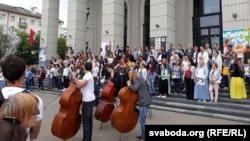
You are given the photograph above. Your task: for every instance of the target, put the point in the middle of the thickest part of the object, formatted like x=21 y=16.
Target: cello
x=68 y=120
x=106 y=105
x=125 y=117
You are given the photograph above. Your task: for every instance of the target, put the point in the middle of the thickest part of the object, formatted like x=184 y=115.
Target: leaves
x=61 y=47
x=26 y=51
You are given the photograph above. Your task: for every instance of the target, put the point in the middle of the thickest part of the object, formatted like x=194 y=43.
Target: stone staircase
x=225 y=108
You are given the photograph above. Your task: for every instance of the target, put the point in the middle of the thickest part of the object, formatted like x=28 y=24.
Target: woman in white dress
x=201 y=91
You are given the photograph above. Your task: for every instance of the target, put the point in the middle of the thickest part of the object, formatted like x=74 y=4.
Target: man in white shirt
x=86 y=84
x=13 y=68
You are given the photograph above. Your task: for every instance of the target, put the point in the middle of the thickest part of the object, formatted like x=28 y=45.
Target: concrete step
x=242 y=104
x=195 y=106
x=201 y=113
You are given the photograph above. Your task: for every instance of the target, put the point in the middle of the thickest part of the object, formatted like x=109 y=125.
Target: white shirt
x=159 y=58
x=184 y=65
x=88 y=90
x=95 y=71
x=66 y=71
x=218 y=60
x=143 y=73
x=110 y=60
x=205 y=56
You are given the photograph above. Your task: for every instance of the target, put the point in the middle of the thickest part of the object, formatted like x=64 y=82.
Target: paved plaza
x=108 y=133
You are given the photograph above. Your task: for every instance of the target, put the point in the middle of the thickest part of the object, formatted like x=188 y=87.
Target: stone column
x=49 y=31
x=163 y=23
x=76 y=26
x=113 y=21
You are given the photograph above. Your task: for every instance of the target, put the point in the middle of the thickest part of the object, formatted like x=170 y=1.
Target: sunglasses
x=14 y=121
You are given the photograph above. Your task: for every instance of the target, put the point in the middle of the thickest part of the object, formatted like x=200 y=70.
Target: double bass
x=125 y=117
x=106 y=105
x=67 y=121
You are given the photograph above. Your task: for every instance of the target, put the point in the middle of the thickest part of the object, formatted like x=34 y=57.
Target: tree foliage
x=61 y=47
x=26 y=51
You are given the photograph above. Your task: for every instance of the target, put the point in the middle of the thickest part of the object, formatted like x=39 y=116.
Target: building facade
x=94 y=23
x=19 y=19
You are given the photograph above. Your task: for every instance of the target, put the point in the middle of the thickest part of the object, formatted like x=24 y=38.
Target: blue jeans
x=151 y=86
x=142 y=119
x=87 y=120
x=177 y=84
x=225 y=80
x=55 y=82
x=40 y=84
x=27 y=83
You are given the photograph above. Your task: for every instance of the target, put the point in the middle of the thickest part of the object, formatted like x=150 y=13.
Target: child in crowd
x=225 y=75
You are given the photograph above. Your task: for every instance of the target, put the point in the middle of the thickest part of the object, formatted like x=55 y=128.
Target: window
x=32 y=22
x=2 y=16
x=39 y=23
x=211 y=6
x=22 y=20
x=12 y=18
x=21 y=30
x=209 y=21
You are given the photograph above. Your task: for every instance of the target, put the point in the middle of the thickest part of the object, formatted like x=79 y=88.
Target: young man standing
x=86 y=84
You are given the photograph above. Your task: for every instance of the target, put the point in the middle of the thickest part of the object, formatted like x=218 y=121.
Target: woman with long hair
x=163 y=85
x=150 y=78
x=237 y=84
x=201 y=91
x=22 y=106
x=214 y=81
x=22 y=110
x=189 y=81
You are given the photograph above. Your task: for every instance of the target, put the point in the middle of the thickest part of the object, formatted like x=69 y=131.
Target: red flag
x=32 y=34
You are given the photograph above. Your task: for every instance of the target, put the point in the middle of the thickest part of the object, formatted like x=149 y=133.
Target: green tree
x=26 y=51
x=61 y=47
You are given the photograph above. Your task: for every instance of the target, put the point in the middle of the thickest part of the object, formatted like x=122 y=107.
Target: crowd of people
x=202 y=71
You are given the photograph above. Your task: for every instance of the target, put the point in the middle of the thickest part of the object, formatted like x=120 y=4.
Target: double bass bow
x=106 y=105
x=125 y=117
x=67 y=121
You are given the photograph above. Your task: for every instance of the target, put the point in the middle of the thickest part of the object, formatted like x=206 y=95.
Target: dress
x=201 y=91
x=237 y=84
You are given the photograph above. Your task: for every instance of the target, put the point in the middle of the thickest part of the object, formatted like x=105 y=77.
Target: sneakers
x=160 y=96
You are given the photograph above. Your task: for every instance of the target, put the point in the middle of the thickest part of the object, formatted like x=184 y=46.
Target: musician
x=114 y=77
x=86 y=84
x=13 y=68
x=138 y=85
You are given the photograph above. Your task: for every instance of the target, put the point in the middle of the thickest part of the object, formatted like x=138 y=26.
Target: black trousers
x=65 y=82
x=189 y=83
x=87 y=120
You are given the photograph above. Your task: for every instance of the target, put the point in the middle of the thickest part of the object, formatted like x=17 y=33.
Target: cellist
x=86 y=84
x=138 y=85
